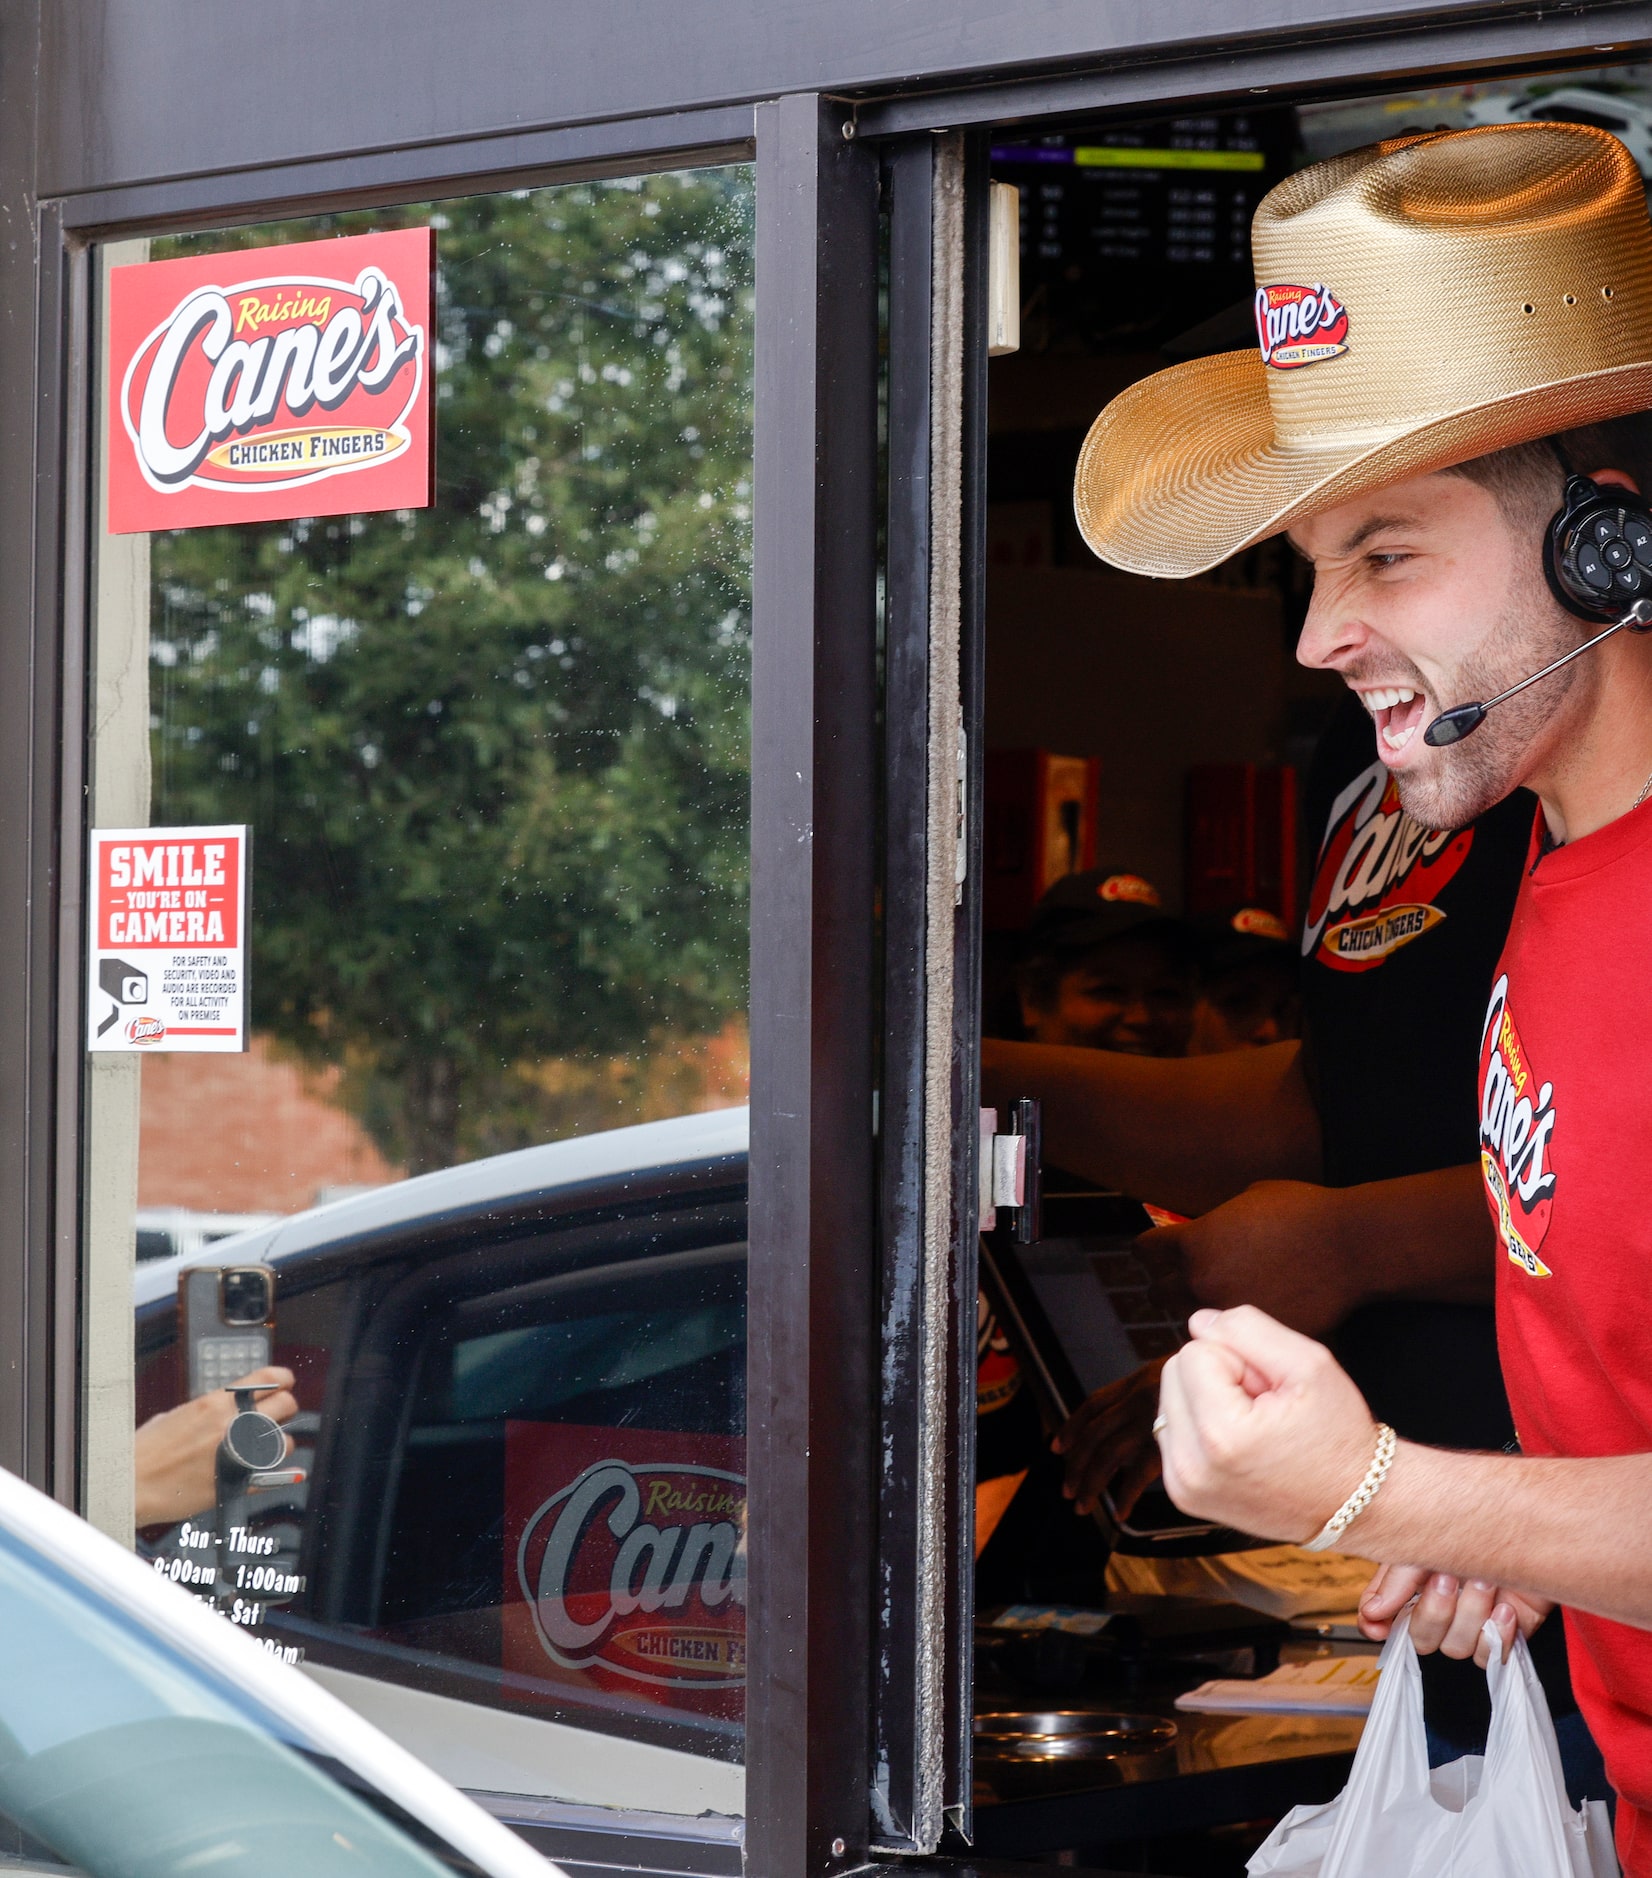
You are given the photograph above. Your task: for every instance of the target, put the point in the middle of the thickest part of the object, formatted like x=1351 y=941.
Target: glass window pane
x=487 y=1145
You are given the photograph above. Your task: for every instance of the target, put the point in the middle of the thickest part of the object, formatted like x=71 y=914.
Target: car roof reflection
x=648 y=1152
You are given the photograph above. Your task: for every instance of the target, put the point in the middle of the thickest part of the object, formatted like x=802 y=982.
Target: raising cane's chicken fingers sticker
x=267 y=383
x=626 y=1564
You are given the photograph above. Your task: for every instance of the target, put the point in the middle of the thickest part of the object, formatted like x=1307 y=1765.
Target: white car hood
x=189 y=1627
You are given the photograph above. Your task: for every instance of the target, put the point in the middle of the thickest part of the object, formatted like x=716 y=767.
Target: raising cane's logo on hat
x=1299 y=325
x=271 y=382
x=1255 y=922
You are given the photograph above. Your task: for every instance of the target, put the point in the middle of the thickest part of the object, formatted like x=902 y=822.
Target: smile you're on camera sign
x=168 y=965
x=267 y=383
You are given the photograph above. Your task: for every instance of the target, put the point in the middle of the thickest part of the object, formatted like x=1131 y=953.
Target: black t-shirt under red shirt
x=1400 y=944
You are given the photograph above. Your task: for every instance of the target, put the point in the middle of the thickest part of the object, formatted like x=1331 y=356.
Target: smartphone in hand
x=228 y=1314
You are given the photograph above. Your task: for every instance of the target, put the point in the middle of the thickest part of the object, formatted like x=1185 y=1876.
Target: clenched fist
x=1260 y=1428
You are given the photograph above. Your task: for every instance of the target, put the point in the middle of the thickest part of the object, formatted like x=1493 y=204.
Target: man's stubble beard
x=1465 y=779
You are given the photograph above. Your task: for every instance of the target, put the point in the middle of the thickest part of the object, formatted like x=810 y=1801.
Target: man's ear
x=1619 y=479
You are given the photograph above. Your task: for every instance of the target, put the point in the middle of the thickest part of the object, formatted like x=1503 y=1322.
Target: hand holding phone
x=175 y=1454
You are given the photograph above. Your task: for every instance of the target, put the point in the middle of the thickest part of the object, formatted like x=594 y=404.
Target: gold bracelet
x=1362 y=1495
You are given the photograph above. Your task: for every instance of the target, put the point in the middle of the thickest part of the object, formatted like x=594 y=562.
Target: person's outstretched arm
x=1309 y=1255
x=1185 y=1132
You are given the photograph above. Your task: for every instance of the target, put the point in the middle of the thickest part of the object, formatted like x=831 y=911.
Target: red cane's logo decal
x=145 y=1030
x=1257 y=922
x=1517 y=1120
x=1378 y=875
x=641 y=1570
x=997 y=1373
x=274 y=383
x=1299 y=325
x=1130 y=888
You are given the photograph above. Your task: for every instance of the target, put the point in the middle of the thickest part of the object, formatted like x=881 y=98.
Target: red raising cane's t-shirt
x=1565 y=1148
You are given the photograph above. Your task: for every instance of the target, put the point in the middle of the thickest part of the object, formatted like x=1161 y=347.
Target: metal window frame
x=467 y=166
x=46 y=625
x=922 y=1740
x=815 y=786
x=1337 y=58
x=812 y=1390
x=903 y=1730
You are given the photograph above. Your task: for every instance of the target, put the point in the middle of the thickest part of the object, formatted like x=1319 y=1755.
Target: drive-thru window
x=642 y=819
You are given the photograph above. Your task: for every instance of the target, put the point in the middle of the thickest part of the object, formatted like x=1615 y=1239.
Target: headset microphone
x=1454 y=725
x=1597 y=558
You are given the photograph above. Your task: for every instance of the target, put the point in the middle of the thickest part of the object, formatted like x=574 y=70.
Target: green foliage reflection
x=495 y=752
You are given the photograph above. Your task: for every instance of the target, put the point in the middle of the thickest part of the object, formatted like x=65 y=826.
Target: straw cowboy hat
x=1418 y=303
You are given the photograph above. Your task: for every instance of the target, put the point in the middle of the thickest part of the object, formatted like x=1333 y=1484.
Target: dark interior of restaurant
x=1170 y=686
x=1147 y=739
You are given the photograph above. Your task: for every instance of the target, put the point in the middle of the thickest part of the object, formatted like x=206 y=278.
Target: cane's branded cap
x=1418 y=303
x=1089 y=908
x=1240 y=935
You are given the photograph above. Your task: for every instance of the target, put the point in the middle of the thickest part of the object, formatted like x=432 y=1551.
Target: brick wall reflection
x=248 y=1134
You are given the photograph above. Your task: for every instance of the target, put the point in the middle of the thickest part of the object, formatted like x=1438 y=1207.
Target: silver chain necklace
x=1646 y=790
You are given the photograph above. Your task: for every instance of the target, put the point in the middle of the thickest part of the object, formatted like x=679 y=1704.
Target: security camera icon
x=126 y=984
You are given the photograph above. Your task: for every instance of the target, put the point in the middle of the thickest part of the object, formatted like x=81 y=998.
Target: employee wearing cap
x=1479 y=300
x=1104 y=967
x=1388 y=1246
x=1248 y=994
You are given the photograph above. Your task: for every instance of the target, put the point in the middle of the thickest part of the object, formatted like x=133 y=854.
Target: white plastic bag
x=1502 y=1816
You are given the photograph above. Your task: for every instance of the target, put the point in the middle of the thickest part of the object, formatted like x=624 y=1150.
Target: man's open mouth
x=1398 y=712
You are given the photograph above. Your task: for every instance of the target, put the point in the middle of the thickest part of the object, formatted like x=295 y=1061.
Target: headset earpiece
x=1597 y=553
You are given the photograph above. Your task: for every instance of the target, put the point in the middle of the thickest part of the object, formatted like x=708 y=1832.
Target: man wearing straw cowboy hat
x=1450 y=328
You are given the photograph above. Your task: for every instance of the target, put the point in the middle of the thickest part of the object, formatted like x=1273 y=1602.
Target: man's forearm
x=1422 y=1236
x=1261 y=1429
x=1188 y=1132
x=1571 y=1530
